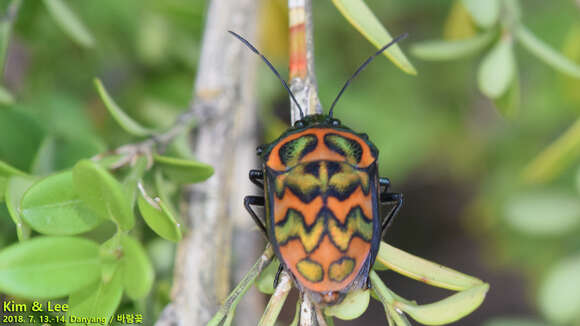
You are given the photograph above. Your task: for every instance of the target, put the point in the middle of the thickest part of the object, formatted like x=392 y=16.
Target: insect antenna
x=397 y=39
x=249 y=45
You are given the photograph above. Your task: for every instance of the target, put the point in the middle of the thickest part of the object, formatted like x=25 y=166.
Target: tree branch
x=302 y=74
x=201 y=276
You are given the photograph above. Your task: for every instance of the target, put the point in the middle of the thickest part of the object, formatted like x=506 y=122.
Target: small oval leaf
x=424 y=270
x=497 y=70
x=559 y=295
x=543 y=213
x=555 y=158
x=184 y=171
x=353 y=306
x=127 y=123
x=7 y=170
x=545 y=53
x=48 y=267
x=265 y=281
x=15 y=189
x=102 y=193
x=137 y=270
x=99 y=300
x=484 y=13
x=52 y=207
x=451 y=50
x=69 y=23
x=362 y=18
x=449 y=309
x=158 y=218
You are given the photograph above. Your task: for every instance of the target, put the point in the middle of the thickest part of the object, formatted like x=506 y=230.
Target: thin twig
x=277 y=300
x=228 y=309
x=303 y=85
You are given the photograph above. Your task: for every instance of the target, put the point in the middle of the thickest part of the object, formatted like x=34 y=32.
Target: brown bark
x=223 y=103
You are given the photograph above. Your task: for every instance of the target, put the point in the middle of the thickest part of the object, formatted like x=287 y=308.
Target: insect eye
x=335 y=122
x=259 y=150
x=299 y=124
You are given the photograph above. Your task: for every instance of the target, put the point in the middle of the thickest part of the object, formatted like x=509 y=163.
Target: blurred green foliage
x=145 y=52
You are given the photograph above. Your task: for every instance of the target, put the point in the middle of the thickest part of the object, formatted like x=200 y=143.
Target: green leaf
x=158 y=217
x=184 y=171
x=48 y=267
x=398 y=316
x=137 y=270
x=513 y=321
x=99 y=300
x=497 y=70
x=126 y=122
x=6 y=97
x=44 y=160
x=559 y=294
x=15 y=189
x=449 y=309
x=508 y=104
x=545 y=53
x=353 y=306
x=7 y=170
x=543 y=213
x=362 y=18
x=459 y=24
x=554 y=159
x=3 y=185
x=484 y=13
x=424 y=270
x=52 y=207
x=68 y=21
x=450 y=50
x=103 y=194
x=265 y=281
x=135 y=175
x=25 y=135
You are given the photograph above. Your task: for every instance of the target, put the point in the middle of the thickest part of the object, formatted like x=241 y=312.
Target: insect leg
x=384 y=182
x=391 y=198
x=256 y=176
x=277 y=277
x=258 y=201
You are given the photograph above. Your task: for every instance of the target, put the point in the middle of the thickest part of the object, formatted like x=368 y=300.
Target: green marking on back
x=349 y=148
x=293 y=226
x=310 y=270
x=341 y=269
x=291 y=152
x=343 y=180
x=355 y=223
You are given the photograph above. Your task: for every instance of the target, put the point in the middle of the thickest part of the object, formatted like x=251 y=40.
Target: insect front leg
x=256 y=201
x=257 y=178
x=390 y=198
x=386 y=183
x=277 y=277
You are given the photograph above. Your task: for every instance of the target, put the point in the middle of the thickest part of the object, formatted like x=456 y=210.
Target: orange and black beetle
x=322 y=199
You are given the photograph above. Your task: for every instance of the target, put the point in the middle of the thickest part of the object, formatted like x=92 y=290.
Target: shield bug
x=323 y=199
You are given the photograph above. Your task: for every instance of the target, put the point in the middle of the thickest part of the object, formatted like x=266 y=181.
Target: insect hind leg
x=256 y=201
x=390 y=198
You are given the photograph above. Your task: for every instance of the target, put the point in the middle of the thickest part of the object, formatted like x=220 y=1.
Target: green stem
x=276 y=301
x=228 y=309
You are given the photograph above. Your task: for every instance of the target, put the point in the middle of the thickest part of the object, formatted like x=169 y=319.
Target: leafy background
x=491 y=188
